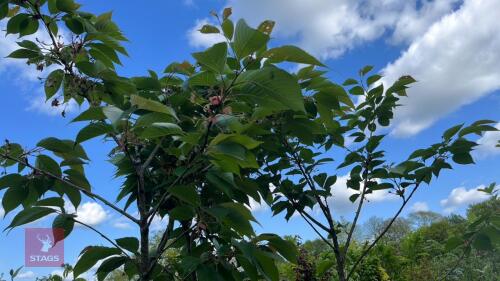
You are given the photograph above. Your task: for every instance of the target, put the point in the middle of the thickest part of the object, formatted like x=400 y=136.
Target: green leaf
x=207 y=28
x=244 y=140
x=182 y=212
x=4 y=9
x=11 y=180
x=109 y=265
x=186 y=193
x=247 y=40
x=91 y=114
x=228 y=28
x=267 y=266
x=203 y=78
x=453 y=243
x=53 y=83
x=67 y=6
x=113 y=114
x=271 y=88
x=28 y=26
x=64 y=222
x=463 y=158
x=482 y=242
x=12 y=198
x=448 y=134
x=30 y=215
x=78 y=178
x=74 y=24
x=151 y=105
x=51 y=201
x=91 y=256
x=48 y=165
x=161 y=129
x=93 y=130
x=14 y=23
x=372 y=79
x=291 y=54
x=23 y=54
x=128 y=243
x=365 y=70
x=324 y=266
x=63 y=148
x=214 y=58
x=353 y=197
x=52 y=6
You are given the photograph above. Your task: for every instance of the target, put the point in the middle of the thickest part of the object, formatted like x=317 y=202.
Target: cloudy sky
x=451 y=47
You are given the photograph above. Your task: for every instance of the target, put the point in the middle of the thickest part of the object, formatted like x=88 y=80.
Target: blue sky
x=449 y=46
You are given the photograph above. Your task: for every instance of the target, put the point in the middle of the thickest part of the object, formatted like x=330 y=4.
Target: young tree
x=300 y=166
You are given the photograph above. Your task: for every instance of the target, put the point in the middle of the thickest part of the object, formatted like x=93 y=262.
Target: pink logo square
x=44 y=247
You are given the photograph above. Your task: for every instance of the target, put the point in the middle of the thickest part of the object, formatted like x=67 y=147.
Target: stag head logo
x=46 y=243
x=44 y=247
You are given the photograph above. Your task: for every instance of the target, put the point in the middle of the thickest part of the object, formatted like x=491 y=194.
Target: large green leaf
x=214 y=58
x=271 y=88
x=151 y=105
x=53 y=83
x=91 y=256
x=29 y=215
x=93 y=113
x=291 y=54
x=49 y=165
x=109 y=265
x=186 y=193
x=161 y=129
x=128 y=243
x=93 y=130
x=247 y=40
x=12 y=198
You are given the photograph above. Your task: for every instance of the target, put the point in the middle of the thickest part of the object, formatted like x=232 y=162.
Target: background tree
x=302 y=170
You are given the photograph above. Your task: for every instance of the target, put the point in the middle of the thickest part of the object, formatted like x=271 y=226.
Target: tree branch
x=103 y=236
x=370 y=247
x=83 y=190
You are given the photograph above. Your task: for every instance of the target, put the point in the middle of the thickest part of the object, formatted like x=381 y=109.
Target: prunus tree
x=194 y=143
x=185 y=143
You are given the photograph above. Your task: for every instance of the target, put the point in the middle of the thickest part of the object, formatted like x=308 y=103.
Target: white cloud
x=17 y=71
x=419 y=207
x=91 y=213
x=455 y=62
x=328 y=28
x=462 y=197
x=198 y=39
x=30 y=275
x=488 y=144
x=340 y=202
x=122 y=225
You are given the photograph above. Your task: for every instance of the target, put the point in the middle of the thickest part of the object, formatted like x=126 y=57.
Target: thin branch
x=103 y=236
x=360 y=206
x=86 y=192
x=370 y=247
x=315 y=230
